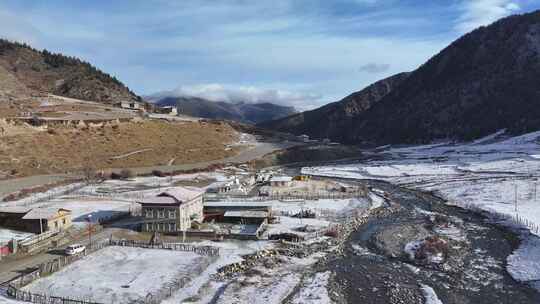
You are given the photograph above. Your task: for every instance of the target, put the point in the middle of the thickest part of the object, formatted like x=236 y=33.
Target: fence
x=44 y=269
x=284 y=197
x=49 y=195
x=202 y=250
x=38 y=238
x=27 y=296
x=170 y=287
x=515 y=219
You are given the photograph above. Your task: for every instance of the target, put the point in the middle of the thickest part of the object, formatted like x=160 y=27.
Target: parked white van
x=75 y=249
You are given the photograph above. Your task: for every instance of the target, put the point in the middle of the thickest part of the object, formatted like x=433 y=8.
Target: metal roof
x=281 y=179
x=247 y=214
x=159 y=201
x=43 y=213
x=246 y=204
x=174 y=196
x=14 y=209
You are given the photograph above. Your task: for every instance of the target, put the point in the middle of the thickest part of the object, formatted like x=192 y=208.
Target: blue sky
x=299 y=52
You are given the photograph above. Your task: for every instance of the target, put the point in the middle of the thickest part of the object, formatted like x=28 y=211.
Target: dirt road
x=258 y=150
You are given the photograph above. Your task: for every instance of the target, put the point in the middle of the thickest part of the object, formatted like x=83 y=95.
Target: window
x=161 y=213
x=64 y=222
x=149 y=214
x=172 y=214
x=172 y=227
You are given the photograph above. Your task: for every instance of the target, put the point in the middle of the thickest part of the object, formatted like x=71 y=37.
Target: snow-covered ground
x=106 y=199
x=328 y=211
x=119 y=274
x=315 y=291
x=430 y=295
x=7 y=235
x=496 y=173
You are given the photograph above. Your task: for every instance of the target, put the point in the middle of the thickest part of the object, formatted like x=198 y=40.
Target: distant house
x=303 y=138
x=129 y=105
x=281 y=181
x=168 y=110
x=173 y=210
x=36 y=220
x=302 y=178
x=238 y=185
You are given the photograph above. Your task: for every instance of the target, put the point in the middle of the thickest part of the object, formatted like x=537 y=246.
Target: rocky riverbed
x=419 y=245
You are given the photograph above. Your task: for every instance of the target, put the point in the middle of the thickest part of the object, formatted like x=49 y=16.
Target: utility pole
x=89 y=219
x=515 y=198
x=534 y=190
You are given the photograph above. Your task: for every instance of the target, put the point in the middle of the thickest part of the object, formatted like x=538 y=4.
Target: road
x=10 y=268
x=258 y=150
x=17 y=184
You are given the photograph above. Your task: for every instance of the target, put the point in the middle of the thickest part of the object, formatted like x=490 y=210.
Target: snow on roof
x=247 y=214
x=159 y=201
x=281 y=179
x=43 y=213
x=174 y=195
x=14 y=209
x=238 y=204
x=182 y=194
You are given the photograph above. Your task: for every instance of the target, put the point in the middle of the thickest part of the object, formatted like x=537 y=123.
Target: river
x=374 y=268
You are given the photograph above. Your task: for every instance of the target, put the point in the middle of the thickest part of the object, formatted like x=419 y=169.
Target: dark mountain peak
x=482 y=82
x=331 y=119
x=239 y=111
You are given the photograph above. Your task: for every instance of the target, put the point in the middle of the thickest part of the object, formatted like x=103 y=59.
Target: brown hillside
x=69 y=149
x=42 y=71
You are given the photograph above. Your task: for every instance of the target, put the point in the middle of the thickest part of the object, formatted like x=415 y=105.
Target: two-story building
x=173 y=210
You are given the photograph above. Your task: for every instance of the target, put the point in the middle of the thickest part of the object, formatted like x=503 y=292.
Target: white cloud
x=248 y=94
x=374 y=68
x=477 y=13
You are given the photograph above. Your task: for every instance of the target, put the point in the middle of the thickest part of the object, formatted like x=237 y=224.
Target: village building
x=280 y=181
x=303 y=138
x=247 y=217
x=173 y=210
x=36 y=220
x=239 y=185
x=168 y=110
x=129 y=105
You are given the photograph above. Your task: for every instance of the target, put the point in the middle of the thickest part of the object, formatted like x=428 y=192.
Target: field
x=119 y=274
x=133 y=144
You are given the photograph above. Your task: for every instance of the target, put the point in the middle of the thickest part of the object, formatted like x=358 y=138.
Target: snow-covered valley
x=497 y=174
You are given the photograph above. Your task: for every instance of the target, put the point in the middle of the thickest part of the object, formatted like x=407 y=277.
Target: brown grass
x=69 y=149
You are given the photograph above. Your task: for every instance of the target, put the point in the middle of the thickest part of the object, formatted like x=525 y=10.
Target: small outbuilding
x=246 y=217
x=280 y=181
x=35 y=220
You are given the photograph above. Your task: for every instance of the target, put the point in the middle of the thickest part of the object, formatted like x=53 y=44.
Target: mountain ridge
x=240 y=111
x=483 y=82
x=45 y=72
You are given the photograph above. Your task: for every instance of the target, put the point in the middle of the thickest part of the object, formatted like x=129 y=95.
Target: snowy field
x=497 y=173
x=106 y=199
x=119 y=274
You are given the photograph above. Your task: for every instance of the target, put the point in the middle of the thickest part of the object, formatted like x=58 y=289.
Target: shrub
x=158 y=173
x=126 y=173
